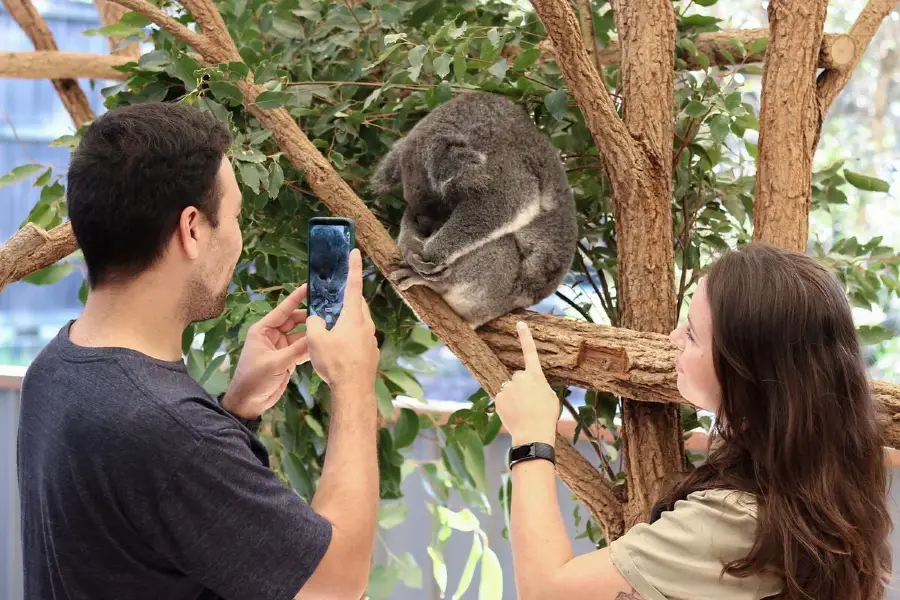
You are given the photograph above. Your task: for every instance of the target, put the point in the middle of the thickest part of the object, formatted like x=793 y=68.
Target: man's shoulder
x=121 y=395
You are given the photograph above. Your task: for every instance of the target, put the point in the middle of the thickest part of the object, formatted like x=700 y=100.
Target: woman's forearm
x=539 y=538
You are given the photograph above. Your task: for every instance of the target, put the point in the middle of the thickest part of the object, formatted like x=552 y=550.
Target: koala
x=490 y=221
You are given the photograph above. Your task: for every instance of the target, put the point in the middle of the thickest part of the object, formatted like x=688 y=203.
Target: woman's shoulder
x=725 y=500
x=681 y=554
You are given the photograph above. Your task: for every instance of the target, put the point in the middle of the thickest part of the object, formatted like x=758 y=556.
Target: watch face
x=521 y=452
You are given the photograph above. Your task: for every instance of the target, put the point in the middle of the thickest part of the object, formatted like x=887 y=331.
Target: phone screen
x=329 y=264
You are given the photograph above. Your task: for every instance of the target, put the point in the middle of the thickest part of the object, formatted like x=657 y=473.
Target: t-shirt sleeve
x=228 y=522
x=683 y=553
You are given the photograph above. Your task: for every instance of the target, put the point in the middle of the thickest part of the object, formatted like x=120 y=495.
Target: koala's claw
x=404 y=277
x=425 y=268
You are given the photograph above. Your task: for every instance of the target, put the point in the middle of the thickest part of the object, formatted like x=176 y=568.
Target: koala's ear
x=387 y=176
x=449 y=157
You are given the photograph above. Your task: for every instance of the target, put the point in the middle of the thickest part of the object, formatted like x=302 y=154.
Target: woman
x=794 y=487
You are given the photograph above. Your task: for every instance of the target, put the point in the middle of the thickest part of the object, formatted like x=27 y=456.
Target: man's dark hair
x=133 y=173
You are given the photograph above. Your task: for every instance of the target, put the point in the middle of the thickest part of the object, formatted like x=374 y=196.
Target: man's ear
x=189 y=232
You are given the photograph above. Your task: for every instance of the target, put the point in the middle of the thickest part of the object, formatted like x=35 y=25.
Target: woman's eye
x=690 y=334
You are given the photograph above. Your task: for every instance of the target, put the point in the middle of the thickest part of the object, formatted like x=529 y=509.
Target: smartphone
x=330 y=240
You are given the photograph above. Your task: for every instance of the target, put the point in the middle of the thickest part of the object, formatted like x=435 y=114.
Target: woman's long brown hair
x=797 y=426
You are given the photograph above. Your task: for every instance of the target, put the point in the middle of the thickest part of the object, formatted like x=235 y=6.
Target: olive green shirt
x=681 y=556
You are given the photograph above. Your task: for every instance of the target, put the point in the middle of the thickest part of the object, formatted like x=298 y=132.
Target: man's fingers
x=298 y=317
x=315 y=326
x=529 y=350
x=292 y=354
x=278 y=315
x=293 y=337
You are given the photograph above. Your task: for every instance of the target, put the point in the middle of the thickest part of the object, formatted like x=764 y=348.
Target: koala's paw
x=424 y=267
x=404 y=277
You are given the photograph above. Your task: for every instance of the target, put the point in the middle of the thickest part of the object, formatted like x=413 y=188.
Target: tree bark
x=34 y=26
x=652 y=440
x=628 y=363
x=835 y=52
x=41 y=64
x=886 y=70
x=587 y=31
x=788 y=118
x=109 y=15
x=32 y=248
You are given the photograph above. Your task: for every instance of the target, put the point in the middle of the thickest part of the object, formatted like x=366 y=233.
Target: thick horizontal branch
x=50 y=64
x=31 y=249
x=836 y=52
x=628 y=363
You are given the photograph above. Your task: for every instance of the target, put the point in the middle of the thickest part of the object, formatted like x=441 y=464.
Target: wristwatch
x=530 y=452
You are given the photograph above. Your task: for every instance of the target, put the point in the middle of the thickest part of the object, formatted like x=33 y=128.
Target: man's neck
x=141 y=315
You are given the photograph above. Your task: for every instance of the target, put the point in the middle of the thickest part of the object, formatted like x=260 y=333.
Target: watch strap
x=531 y=451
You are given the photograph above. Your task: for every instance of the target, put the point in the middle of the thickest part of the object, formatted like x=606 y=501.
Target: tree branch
x=624 y=362
x=788 y=123
x=831 y=82
x=26 y=15
x=173 y=27
x=836 y=51
x=617 y=149
x=31 y=249
x=50 y=64
x=110 y=14
x=587 y=31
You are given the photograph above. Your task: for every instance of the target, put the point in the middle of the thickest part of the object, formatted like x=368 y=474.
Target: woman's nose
x=675 y=337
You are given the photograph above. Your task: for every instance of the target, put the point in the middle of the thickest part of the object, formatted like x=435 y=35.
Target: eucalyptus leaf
x=865 y=182
x=557 y=103
x=439 y=567
x=406 y=429
x=491 y=586
x=469 y=569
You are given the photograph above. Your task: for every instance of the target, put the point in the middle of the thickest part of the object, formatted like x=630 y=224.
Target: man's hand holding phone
x=347 y=355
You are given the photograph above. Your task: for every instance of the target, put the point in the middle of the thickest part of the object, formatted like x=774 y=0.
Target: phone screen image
x=329 y=256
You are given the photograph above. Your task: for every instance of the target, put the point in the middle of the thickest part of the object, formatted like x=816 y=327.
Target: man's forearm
x=540 y=542
x=348 y=490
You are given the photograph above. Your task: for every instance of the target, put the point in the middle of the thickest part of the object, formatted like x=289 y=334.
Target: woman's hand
x=526 y=404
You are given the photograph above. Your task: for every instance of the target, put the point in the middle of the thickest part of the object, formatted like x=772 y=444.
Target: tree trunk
x=652 y=441
x=794 y=105
x=788 y=118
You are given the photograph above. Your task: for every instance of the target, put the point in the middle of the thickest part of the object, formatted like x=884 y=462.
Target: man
x=134 y=482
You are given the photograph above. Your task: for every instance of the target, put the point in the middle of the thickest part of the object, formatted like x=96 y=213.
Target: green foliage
x=356 y=77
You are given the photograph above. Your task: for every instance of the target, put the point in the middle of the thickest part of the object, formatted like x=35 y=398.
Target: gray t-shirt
x=135 y=483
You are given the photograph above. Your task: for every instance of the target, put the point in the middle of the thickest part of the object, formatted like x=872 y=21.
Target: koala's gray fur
x=490 y=222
